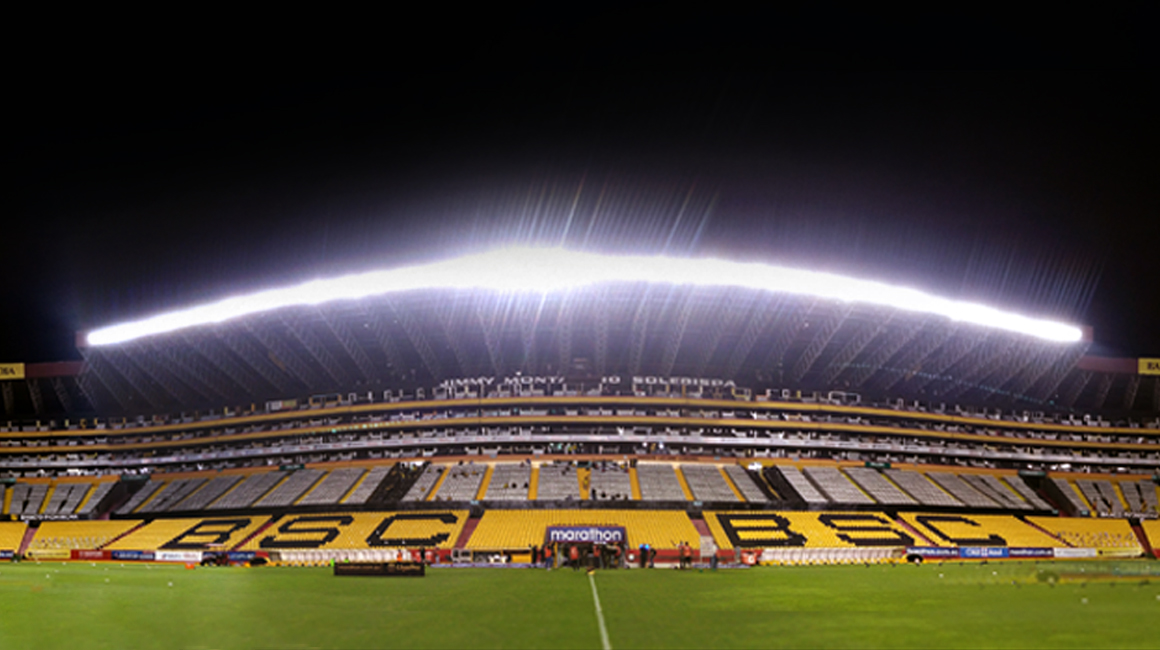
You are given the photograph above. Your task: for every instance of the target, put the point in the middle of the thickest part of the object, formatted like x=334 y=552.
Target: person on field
x=574 y=556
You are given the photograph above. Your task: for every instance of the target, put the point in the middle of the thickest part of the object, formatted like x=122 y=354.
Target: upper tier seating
x=978 y=530
x=961 y=490
x=216 y=487
x=996 y=491
x=1086 y=532
x=1069 y=493
x=610 y=481
x=11 y=535
x=744 y=482
x=882 y=490
x=1026 y=492
x=357 y=530
x=365 y=490
x=836 y=486
x=66 y=497
x=99 y=493
x=557 y=482
x=172 y=494
x=289 y=490
x=140 y=496
x=333 y=487
x=521 y=529
x=919 y=487
x=87 y=535
x=248 y=491
x=462 y=483
x=658 y=482
x=1102 y=496
x=27 y=498
x=421 y=489
x=509 y=482
x=802 y=485
x=1141 y=496
x=707 y=483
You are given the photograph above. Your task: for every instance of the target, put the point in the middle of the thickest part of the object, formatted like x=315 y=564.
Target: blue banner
x=982 y=552
x=6 y=555
x=587 y=534
x=1032 y=552
x=146 y=556
x=241 y=556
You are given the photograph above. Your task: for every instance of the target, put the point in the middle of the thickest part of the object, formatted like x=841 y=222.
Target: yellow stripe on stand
x=635 y=483
x=483 y=485
x=684 y=485
x=729 y=482
x=534 y=482
x=438 y=483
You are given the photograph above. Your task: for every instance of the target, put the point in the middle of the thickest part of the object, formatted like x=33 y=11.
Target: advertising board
x=587 y=534
x=380 y=569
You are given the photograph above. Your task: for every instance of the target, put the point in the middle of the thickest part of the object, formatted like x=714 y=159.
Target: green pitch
x=77 y=605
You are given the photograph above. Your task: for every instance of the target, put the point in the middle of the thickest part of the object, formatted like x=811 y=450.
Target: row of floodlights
x=548 y=270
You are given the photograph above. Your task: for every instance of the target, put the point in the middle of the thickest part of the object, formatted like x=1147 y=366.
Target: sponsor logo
x=6 y=555
x=933 y=551
x=585 y=534
x=1147 y=367
x=143 y=556
x=178 y=556
x=380 y=569
x=11 y=371
x=982 y=552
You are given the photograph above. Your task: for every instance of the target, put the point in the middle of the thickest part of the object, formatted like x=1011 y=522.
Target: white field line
x=599 y=615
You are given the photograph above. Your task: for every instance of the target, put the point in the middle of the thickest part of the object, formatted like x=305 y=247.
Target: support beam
x=638 y=335
x=88 y=390
x=283 y=357
x=419 y=341
x=1072 y=392
x=1130 y=392
x=450 y=326
x=140 y=384
x=355 y=351
x=760 y=316
x=396 y=365
x=890 y=346
x=854 y=347
x=492 y=338
x=62 y=395
x=676 y=334
x=723 y=319
x=600 y=337
x=787 y=325
x=952 y=353
x=1156 y=394
x=37 y=397
x=564 y=324
x=1049 y=384
x=99 y=368
x=1105 y=385
x=176 y=391
x=307 y=336
x=822 y=337
x=9 y=398
x=195 y=362
x=256 y=361
x=915 y=358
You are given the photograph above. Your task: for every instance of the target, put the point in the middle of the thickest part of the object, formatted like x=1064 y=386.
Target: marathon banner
x=84 y=554
x=1031 y=553
x=936 y=552
x=587 y=534
x=986 y=552
x=135 y=556
x=178 y=556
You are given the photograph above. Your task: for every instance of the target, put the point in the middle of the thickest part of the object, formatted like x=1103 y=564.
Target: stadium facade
x=474 y=420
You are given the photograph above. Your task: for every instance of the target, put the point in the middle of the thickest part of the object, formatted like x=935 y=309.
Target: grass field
x=78 y=605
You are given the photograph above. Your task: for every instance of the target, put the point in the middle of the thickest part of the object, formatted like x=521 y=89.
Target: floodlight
x=546 y=270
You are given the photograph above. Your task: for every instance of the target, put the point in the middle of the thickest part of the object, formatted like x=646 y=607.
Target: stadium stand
x=557 y=482
x=1065 y=490
x=1141 y=497
x=978 y=530
x=420 y=490
x=802 y=486
x=836 y=486
x=139 y=497
x=26 y=499
x=994 y=490
x=961 y=490
x=11 y=535
x=1102 y=497
x=761 y=529
x=744 y=482
x=707 y=483
x=332 y=488
x=245 y=493
x=462 y=482
x=172 y=494
x=1084 y=532
x=658 y=482
x=880 y=489
x=66 y=497
x=1025 y=491
x=1151 y=528
x=522 y=529
x=921 y=488
x=96 y=499
x=79 y=534
x=362 y=530
x=509 y=482
x=288 y=491
x=213 y=489
x=363 y=491
x=189 y=534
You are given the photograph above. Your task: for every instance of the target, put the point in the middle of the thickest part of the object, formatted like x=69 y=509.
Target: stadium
x=758 y=427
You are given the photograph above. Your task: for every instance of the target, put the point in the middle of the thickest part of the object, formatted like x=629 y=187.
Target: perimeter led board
x=545 y=270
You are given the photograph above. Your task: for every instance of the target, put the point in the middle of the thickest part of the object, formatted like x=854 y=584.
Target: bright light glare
x=554 y=269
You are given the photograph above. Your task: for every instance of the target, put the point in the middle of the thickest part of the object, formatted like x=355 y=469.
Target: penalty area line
x=599 y=615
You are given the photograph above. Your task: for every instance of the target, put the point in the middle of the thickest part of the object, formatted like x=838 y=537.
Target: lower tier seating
x=707 y=483
x=11 y=535
x=1086 y=532
x=190 y=534
x=745 y=485
x=978 y=530
x=757 y=529
x=79 y=534
x=362 y=530
x=462 y=483
x=520 y=529
x=509 y=482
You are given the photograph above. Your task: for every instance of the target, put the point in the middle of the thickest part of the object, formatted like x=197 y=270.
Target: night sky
x=152 y=173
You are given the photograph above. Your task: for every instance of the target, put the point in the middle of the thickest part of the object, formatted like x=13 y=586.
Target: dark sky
x=152 y=173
